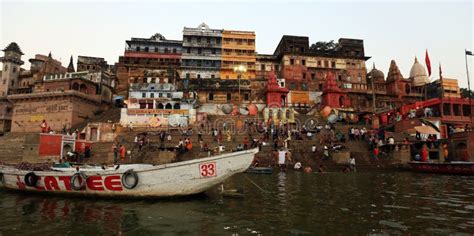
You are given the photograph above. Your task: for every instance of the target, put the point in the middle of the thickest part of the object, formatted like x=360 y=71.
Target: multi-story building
x=304 y=67
x=65 y=100
x=91 y=64
x=142 y=54
x=238 y=49
x=157 y=103
x=201 y=57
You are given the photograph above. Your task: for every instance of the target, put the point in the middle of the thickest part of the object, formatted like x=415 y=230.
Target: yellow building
x=238 y=49
x=450 y=88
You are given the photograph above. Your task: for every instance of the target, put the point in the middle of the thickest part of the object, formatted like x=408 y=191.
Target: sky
x=391 y=30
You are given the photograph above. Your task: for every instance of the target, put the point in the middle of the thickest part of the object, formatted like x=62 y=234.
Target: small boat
x=259 y=170
x=134 y=180
x=454 y=167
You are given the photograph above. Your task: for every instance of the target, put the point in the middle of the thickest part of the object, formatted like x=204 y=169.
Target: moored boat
x=135 y=180
x=455 y=167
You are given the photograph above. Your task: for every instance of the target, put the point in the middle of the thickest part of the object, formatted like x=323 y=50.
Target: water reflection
x=289 y=203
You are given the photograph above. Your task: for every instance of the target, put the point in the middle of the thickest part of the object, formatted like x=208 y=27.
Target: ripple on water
x=469 y=207
x=394 y=224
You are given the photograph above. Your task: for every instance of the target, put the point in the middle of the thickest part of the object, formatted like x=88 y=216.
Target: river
x=290 y=203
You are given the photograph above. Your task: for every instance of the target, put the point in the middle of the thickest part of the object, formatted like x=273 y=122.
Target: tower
x=70 y=67
x=11 y=68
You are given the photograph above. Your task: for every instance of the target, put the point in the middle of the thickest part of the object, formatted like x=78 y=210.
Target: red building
x=276 y=95
x=334 y=96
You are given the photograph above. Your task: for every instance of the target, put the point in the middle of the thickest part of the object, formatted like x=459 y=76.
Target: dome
x=376 y=74
x=418 y=74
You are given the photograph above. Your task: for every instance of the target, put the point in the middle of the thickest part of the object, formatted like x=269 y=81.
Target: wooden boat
x=259 y=170
x=455 y=167
x=135 y=180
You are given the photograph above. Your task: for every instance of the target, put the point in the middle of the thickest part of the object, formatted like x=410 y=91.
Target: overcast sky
x=390 y=30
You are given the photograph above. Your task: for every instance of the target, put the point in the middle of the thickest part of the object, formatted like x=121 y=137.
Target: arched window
x=168 y=106
x=177 y=106
x=83 y=88
x=75 y=86
x=160 y=106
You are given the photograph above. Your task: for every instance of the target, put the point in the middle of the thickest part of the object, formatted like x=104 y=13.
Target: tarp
x=426 y=130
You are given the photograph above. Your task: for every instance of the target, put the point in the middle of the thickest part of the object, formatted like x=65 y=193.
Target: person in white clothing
x=282 y=159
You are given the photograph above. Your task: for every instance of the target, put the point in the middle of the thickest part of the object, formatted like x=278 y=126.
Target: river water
x=290 y=203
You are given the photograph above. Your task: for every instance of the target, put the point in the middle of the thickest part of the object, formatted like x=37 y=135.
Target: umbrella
x=426 y=130
x=429 y=123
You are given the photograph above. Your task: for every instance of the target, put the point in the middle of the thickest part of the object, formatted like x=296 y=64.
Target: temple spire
x=70 y=67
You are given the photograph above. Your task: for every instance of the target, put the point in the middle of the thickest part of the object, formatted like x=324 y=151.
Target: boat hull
x=459 y=168
x=175 y=179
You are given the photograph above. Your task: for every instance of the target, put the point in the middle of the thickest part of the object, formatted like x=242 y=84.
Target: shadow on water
x=284 y=203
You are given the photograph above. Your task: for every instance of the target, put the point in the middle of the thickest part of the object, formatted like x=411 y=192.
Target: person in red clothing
x=44 y=127
x=246 y=142
x=122 y=152
x=376 y=152
x=424 y=153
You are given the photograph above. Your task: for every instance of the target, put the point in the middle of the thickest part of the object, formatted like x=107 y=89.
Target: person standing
x=313 y=148
x=376 y=152
x=282 y=159
x=352 y=164
x=115 y=151
x=123 y=152
x=44 y=127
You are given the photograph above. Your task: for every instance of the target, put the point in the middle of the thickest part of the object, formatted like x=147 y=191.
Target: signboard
x=156 y=112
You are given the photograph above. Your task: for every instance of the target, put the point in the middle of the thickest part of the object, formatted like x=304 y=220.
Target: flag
x=428 y=63
x=468 y=53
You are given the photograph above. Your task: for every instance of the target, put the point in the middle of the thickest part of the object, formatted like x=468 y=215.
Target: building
x=65 y=101
x=90 y=64
x=238 y=49
x=142 y=54
x=9 y=81
x=157 y=103
x=201 y=57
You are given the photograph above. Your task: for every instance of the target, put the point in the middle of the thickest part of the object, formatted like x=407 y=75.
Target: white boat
x=135 y=180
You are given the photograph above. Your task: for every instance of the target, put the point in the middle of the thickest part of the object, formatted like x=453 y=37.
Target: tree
x=322 y=46
x=465 y=93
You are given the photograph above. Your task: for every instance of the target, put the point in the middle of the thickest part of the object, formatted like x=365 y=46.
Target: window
x=319 y=63
x=199 y=63
x=188 y=50
x=326 y=64
x=199 y=51
x=188 y=76
x=160 y=95
x=304 y=75
x=143 y=95
x=6 y=67
x=213 y=51
x=320 y=87
x=198 y=76
x=146 y=49
x=213 y=76
x=152 y=95
x=208 y=40
x=333 y=64
x=246 y=97
x=262 y=67
x=313 y=76
x=211 y=96
x=156 y=49
x=174 y=50
x=188 y=39
x=14 y=69
x=292 y=61
x=304 y=87
x=359 y=79
x=229 y=96
x=138 y=48
x=166 y=50
x=292 y=86
x=168 y=95
x=303 y=62
x=198 y=39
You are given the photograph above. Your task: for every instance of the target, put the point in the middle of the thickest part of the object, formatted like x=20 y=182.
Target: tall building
x=142 y=54
x=238 y=49
x=11 y=68
x=201 y=57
